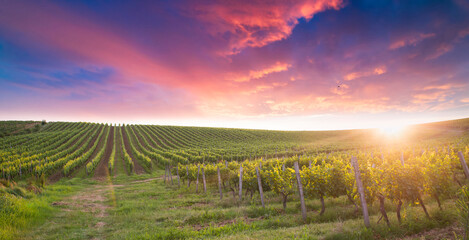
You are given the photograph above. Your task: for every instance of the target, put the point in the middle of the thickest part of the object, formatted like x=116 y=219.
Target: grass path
x=80 y=216
x=85 y=213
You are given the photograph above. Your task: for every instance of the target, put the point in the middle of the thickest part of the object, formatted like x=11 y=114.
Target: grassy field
x=124 y=204
x=144 y=207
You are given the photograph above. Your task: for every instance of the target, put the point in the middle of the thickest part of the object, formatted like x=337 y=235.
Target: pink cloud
x=256 y=74
x=439 y=51
x=354 y=75
x=445 y=86
x=429 y=97
x=255 y=23
x=411 y=40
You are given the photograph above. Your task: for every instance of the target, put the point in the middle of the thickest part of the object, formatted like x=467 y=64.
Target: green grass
x=19 y=214
x=143 y=207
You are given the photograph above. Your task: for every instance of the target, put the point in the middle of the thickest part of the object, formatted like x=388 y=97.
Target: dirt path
x=89 y=203
x=438 y=233
x=119 y=153
x=102 y=168
x=137 y=167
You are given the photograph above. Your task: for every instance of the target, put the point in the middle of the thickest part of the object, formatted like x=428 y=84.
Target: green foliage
x=12 y=128
x=316 y=180
x=463 y=209
x=281 y=181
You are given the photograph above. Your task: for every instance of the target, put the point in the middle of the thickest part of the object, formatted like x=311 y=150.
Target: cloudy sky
x=289 y=65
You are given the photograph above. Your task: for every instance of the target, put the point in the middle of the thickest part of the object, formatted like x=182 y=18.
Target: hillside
x=148 y=146
x=97 y=181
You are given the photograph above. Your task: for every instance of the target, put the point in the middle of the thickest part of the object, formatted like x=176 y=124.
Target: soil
x=91 y=200
x=59 y=174
x=56 y=176
x=438 y=233
x=102 y=169
x=137 y=167
x=100 y=144
x=154 y=137
x=247 y=220
x=148 y=138
x=147 y=180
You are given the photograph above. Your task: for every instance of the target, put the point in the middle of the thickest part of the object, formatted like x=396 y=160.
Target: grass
x=19 y=214
x=143 y=207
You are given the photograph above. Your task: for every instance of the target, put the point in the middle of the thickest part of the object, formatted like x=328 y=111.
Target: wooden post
x=187 y=175
x=310 y=164
x=463 y=163
x=300 y=190
x=361 y=191
x=177 y=172
x=259 y=183
x=402 y=158
x=241 y=183
x=170 y=176
x=165 y=171
x=219 y=183
x=197 y=183
x=203 y=179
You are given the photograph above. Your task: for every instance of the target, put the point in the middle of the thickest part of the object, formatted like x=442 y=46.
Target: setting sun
x=393 y=130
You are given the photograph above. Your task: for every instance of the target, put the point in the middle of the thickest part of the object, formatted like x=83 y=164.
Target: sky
x=285 y=65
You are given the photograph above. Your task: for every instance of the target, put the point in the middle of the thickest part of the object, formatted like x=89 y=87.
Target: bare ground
x=247 y=220
x=102 y=169
x=438 y=233
x=91 y=200
x=100 y=144
x=59 y=174
x=137 y=167
x=153 y=135
x=148 y=140
x=147 y=180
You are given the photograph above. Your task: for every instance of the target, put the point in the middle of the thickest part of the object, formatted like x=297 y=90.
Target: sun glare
x=392 y=130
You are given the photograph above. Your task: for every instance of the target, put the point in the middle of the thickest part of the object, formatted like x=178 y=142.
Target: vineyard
x=257 y=180
x=61 y=148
